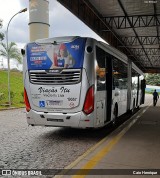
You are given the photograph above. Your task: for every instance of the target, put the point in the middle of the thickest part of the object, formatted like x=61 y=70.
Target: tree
x=12 y=51
x=1 y=34
x=153 y=79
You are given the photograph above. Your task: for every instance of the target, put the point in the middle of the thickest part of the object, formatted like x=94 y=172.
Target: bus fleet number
x=72 y=99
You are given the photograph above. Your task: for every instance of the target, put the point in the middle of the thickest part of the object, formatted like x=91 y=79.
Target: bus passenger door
x=100 y=112
x=109 y=80
x=104 y=86
x=143 y=86
x=101 y=87
x=100 y=97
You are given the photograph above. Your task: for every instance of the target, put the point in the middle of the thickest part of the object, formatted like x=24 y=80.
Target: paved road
x=24 y=147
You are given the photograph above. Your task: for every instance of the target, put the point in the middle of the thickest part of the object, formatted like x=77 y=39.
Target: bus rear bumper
x=76 y=120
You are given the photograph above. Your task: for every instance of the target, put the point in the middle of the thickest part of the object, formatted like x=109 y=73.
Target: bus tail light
x=28 y=107
x=89 y=101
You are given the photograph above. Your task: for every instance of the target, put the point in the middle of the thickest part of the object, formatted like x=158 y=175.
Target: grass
x=151 y=92
x=16 y=87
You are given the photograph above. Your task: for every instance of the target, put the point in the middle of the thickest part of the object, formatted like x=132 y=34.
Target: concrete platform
x=133 y=149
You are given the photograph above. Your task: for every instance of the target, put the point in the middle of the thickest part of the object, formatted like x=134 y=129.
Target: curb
x=11 y=108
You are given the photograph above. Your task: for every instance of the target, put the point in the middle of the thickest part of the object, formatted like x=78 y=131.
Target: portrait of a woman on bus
x=61 y=59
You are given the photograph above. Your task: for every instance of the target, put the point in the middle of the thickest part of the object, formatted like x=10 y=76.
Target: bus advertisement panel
x=49 y=56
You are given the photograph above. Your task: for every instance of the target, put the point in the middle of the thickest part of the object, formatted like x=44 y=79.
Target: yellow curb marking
x=104 y=151
x=95 y=159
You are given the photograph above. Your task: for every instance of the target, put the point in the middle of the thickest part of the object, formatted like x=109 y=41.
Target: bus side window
x=119 y=74
x=115 y=83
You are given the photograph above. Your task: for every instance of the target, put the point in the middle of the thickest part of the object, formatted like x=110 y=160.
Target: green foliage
x=153 y=79
x=1 y=34
x=12 y=94
x=13 y=51
x=2 y=96
x=1 y=23
x=16 y=85
x=22 y=93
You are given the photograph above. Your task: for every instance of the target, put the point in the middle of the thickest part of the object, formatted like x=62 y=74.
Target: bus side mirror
x=23 y=52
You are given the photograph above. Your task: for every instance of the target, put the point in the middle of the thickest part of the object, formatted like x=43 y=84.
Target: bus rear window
x=49 y=56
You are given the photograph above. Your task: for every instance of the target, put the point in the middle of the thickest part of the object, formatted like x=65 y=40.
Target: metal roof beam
x=145 y=40
x=153 y=58
x=121 y=22
x=157 y=29
x=125 y=13
x=149 y=51
x=152 y=70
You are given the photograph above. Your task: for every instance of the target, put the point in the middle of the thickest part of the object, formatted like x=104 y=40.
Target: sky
x=62 y=22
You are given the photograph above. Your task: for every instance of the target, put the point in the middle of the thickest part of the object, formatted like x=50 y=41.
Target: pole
x=38 y=19
x=8 y=57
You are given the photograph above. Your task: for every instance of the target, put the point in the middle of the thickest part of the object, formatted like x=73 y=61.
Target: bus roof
x=114 y=51
x=137 y=69
x=57 y=40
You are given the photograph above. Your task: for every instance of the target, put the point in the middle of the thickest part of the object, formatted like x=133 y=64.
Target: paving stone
x=40 y=147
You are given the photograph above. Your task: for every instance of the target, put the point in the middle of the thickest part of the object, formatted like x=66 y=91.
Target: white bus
x=78 y=82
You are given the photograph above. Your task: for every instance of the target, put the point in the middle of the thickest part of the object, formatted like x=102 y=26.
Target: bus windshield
x=52 y=56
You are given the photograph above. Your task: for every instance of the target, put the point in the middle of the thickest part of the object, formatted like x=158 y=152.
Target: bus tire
x=115 y=115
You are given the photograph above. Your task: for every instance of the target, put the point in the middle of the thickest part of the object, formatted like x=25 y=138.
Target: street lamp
x=8 y=57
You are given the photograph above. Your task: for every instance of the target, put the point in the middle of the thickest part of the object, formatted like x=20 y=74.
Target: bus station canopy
x=132 y=26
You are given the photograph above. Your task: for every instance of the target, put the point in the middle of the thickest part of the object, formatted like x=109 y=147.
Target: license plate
x=54 y=102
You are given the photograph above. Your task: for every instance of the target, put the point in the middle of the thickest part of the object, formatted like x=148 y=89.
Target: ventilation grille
x=55 y=77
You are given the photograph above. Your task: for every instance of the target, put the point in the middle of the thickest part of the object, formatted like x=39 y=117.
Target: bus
x=78 y=82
